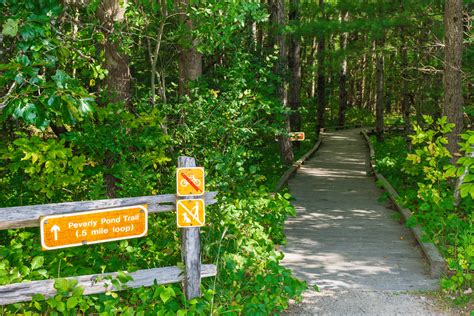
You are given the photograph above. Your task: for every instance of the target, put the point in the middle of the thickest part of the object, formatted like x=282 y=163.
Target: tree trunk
x=277 y=20
x=310 y=65
x=153 y=54
x=190 y=60
x=453 y=100
x=372 y=79
x=321 y=78
x=405 y=101
x=363 y=92
x=118 y=79
x=294 y=65
x=343 y=74
x=379 y=79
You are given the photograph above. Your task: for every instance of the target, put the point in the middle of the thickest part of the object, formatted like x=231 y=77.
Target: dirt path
x=348 y=243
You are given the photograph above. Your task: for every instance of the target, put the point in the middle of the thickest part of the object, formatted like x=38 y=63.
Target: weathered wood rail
x=97 y=283
x=29 y=216
x=435 y=260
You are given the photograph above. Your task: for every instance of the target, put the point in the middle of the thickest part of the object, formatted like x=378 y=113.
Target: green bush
x=229 y=126
x=425 y=179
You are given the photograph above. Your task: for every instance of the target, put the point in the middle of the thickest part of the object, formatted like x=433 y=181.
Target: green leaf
x=30 y=113
x=78 y=291
x=61 y=307
x=38 y=297
x=72 y=302
x=61 y=285
x=84 y=105
x=166 y=294
x=37 y=262
x=60 y=77
x=25 y=61
x=37 y=306
x=123 y=277
x=10 y=28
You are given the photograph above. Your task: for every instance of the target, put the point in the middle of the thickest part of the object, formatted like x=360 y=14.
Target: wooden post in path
x=191 y=247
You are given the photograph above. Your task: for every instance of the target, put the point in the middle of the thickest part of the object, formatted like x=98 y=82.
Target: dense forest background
x=98 y=99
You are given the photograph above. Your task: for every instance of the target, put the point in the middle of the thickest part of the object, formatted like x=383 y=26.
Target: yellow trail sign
x=190 y=213
x=190 y=181
x=76 y=229
x=297 y=136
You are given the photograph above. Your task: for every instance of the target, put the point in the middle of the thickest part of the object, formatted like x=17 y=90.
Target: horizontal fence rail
x=98 y=283
x=29 y=216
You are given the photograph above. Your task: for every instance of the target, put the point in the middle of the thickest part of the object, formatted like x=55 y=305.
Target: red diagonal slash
x=190 y=182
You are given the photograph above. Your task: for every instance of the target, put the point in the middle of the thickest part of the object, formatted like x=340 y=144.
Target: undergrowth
x=426 y=181
x=229 y=126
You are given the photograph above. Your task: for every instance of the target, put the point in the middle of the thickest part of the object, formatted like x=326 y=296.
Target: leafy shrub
x=229 y=126
x=425 y=178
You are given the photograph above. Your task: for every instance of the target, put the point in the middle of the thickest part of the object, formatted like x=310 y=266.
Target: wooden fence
x=29 y=216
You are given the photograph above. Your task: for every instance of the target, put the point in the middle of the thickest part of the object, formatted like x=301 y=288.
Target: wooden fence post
x=191 y=248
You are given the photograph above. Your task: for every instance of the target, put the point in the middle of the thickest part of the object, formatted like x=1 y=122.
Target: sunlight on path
x=346 y=241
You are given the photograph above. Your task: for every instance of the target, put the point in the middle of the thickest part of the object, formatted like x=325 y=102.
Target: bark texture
x=277 y=20
x=379 y=98
x=453 y=100
x=118 y=80
x=405 y=100
x=321 y=78
x=294 y=65
x=343 y=75
x=190 y=60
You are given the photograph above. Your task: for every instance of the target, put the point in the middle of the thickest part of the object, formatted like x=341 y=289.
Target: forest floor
x=349 y=243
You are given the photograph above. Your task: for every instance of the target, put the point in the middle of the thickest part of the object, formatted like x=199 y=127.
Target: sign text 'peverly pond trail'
x=75 y=229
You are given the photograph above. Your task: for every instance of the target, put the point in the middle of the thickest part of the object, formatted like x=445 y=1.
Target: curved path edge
x=348 y=243
x=438 y=266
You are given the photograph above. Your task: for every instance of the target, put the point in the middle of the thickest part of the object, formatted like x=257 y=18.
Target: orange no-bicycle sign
x=190 y=213
x=91 y=227
x=190 y=181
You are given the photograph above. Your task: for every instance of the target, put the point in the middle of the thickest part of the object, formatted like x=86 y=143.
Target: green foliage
x=354 y=116
x=41 y=168
x=42 y=87
x=228 y=123
x=428 y=161
x=217 y=22
x=424 y=177
x=466 y=165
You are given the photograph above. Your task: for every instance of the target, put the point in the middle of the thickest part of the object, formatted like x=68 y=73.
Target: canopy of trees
x=98 y=98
